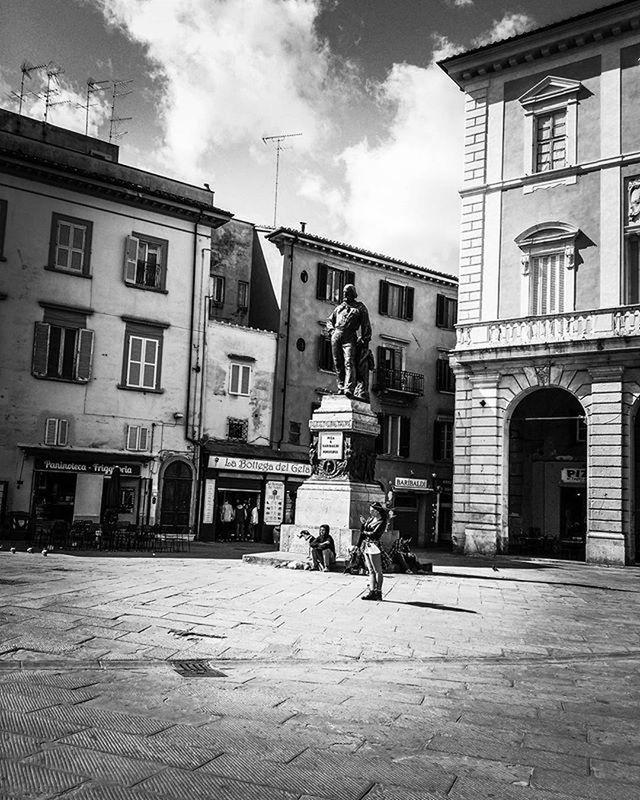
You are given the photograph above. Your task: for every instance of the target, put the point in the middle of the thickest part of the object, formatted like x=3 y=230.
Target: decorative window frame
x=550 y=94
x=548 y=238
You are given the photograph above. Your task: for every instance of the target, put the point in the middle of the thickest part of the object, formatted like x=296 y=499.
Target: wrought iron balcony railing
x=400 y=381
x=148 y=275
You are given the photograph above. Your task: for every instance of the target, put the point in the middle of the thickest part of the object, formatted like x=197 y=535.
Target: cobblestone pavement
x=500 y=679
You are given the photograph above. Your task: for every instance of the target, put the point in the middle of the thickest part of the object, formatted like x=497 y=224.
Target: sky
x=378 y=163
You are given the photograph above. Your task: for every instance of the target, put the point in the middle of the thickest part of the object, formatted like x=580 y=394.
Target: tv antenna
x=118 y=89
x=26 y=68
x=92 y=88
x=53 y=88
x=278 y=142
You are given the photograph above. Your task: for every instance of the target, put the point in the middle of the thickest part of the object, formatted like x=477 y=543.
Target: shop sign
x=259 y=465
x=573 y=475
x=209 y=501
x=92 y=468
x=417 y=484
x=330 y=446
x=273 y=502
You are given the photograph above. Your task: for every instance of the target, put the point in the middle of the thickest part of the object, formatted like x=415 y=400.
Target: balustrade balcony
x=575 y=326
x=399 y=381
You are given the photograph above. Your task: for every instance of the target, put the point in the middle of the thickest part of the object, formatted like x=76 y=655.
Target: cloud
x=459 y=3
x=402 y=192
x=510 y=25
x=231 y=72
x=67 y=104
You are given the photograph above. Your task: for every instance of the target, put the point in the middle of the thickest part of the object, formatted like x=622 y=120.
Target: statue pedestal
x=341 y=486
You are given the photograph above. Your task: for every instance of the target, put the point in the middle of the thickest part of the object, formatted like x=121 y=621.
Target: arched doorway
x=548 y=476
x=176 y=494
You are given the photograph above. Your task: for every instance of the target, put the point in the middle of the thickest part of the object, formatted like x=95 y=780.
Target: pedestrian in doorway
x=227 y=515
x=371 y=530
x=241 y=520
x=254 y=521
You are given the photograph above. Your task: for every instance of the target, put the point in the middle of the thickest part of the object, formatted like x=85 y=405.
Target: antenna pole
x=92 y=86
x=278 y=141
x=120 y=89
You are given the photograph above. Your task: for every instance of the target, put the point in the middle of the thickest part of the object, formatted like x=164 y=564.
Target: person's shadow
x=435 y=606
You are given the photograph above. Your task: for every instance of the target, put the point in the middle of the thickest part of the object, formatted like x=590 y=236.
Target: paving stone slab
x=37 y=725
x=90 y=764
x=583 y=788
x=16 y=746
x=63 y=680
x=202 y=786
x=89 y=717
x=33 y=780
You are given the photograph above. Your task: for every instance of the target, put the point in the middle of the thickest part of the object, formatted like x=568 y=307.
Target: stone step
x=279 y=558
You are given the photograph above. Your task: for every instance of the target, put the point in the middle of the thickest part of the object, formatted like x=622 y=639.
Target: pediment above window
x=550 y=90
x=548 y=238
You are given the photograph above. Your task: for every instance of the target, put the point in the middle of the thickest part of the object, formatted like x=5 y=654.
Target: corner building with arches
x=547 y=360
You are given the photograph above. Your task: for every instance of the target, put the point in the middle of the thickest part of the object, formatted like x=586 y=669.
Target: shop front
x=246 y=498
x=422 y=509
x=83 y=485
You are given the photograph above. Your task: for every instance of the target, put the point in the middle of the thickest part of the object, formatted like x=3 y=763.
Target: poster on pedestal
x=330 y=446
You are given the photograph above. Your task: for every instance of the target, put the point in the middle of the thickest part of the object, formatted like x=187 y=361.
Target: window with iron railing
x=145 y=262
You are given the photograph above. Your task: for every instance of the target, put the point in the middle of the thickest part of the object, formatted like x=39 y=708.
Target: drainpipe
x=286 y=348
x=197 y=445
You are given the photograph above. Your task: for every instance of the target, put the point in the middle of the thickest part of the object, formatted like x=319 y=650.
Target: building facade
x=412 y=312
x=101 y=269
x=546 y=361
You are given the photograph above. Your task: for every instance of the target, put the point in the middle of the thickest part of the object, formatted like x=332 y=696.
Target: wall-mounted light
x=177 y=416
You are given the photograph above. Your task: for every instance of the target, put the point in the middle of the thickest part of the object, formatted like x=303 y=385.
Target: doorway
x=176 y=495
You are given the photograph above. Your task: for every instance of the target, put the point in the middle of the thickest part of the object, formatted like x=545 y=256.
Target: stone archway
x=547 y=486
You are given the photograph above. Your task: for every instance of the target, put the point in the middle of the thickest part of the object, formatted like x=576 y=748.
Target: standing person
x=254 y=521
x=241 y=520
x=372 y=529
x=227 y=515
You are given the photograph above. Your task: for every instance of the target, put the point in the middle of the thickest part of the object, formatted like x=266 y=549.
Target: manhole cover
x=196 y=668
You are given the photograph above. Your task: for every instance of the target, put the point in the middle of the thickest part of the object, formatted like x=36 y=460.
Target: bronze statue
x=352 y=358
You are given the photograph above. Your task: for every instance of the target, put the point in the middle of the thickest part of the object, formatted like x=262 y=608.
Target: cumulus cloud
x=231 y=72
x=67 y=103
x=460 y=3
x=510 y=25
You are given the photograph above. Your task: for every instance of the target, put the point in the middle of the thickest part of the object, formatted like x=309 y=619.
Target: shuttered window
x=443 y=440
x=395 y=435
x=142 y=360
x=243 y=295
x=331 y=282
x=3 y=225
x=395 y=300
x=62 y=346
x=137 y=437
x=325 y=356
x=70 y=244
x=445 y=380
x=446 y=311
x=240 y=379
x=145 y=262
x=550 y=140
x=547 y=284
x=56 y=431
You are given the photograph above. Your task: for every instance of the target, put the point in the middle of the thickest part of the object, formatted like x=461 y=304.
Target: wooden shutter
x=381 y=360
x=132 y=437
x=408 y=302
x=40 y=349
x=440 y=311
x=381 y=435
x=143 y=440
x=130 y=259
x=63 y=431
x=349 y=277
x=405 y=436
x=84 y=353
x=321 y=282
x=383 y=299
x=51 y=431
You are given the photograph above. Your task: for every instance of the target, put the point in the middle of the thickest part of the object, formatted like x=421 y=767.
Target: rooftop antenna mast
x=53 y=73
x=119 y=89
x=278 y=141
x=26 y=68
x=92 y=88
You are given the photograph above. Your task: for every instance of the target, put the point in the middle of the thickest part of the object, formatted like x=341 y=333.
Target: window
x=137 y=437
x=145 y=262
x=325 y=356
x=240 y=379
x=395 y=435
x=390 y=358
x=243 y=295
x=551 y=115
x=237 y=429
x=445 y=380
x=548 y=261
x=70 y=244
x=294 y=432
x=550 y=140
x=217 y=290
x=443 y=440
x=56 y=431
x=632 y=242
x=395 y=300
x=3 y=227
x=62 y=345
x=446 y=311
x=142 y=361
x=331 y=282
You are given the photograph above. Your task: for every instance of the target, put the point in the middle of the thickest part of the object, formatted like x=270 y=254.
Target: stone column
x=480 y=513
x=606 y=469
x=341 y=486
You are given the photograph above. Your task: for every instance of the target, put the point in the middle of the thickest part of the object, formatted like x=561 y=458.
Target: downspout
x=197 y=445
x=286 y=350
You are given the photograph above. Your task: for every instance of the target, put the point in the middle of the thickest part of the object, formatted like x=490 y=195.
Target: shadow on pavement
x=435 y=606
x=215 y=550
x=462 y=575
